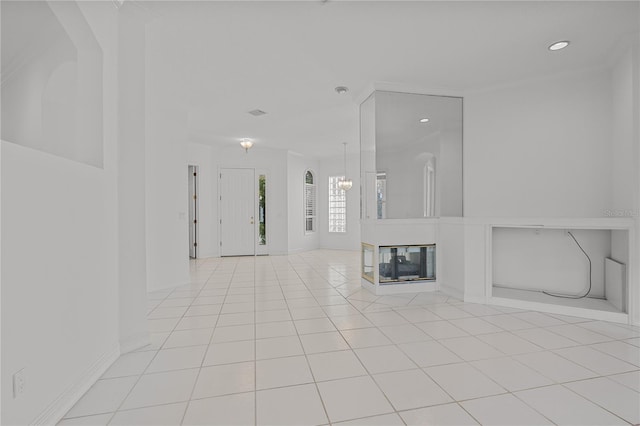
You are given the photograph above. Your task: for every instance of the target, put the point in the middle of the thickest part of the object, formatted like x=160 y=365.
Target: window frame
x=310 y=189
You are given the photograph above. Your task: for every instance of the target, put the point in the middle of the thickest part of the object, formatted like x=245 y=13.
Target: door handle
x=251 y=220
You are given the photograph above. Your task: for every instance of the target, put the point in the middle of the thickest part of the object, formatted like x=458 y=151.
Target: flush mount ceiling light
x=424 y=120
x=559 y=45
x=257 y=112
x=344 y=183
x=246 y=143
x=342 y=90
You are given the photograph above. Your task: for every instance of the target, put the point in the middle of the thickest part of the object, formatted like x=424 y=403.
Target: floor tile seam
x=484 y=374
x=608 y=339
x=388 y=399
x=555 y=381
x=324 y=407
x=624 y=341
x=515 y=394
x=610 y=377
x=148 y=365
x=399 y=312
x=204 y=356
x=573 y=345
x=182 y=401
x=555 y=351
x=398 y=412
x=615 y=356
x=440 y=405
x=621 y=325
x=540 y=348
x=441 y=341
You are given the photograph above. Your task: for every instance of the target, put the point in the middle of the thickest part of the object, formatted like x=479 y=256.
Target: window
x=262 y=210
x=337 y=206
x=309 y=202
x=381 y=194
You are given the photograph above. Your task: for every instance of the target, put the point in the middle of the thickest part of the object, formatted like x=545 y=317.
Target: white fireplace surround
x=464 y=259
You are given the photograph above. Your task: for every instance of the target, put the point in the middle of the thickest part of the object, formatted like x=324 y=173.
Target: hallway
x=294 y=340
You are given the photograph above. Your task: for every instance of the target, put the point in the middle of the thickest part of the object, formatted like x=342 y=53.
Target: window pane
x=337 y=206
x=262 y=210
x=309 y=202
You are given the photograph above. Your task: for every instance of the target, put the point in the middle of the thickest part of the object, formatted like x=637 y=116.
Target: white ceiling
x=227 y=58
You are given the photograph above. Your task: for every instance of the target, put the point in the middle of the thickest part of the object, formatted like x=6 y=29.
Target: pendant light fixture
x=344 y=183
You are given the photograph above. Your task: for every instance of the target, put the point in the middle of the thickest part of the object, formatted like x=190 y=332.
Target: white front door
x=237 y=212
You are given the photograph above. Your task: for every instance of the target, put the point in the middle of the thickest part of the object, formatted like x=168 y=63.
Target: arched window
x=309 y=202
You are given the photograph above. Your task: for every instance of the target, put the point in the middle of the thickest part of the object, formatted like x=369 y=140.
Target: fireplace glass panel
x=407 y=263
x=367 y=262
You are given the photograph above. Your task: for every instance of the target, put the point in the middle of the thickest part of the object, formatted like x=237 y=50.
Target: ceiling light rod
x=344 y=183
x=246 y=143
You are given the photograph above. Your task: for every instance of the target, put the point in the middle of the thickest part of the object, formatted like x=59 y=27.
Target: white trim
x=399 y=288
x=453 y=292
x=137 y=341
x=67 y=399
x=475 y=299
x=314 y=217
x=560 y=309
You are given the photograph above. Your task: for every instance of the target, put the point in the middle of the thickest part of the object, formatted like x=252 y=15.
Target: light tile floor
x=295 y=340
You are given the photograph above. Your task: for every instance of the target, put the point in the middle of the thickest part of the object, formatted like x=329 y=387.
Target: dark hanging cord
x=568 y=296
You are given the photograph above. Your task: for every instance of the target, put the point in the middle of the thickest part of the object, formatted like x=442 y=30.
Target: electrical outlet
x=19 y=383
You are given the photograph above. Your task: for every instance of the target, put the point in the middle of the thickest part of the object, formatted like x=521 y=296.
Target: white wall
x=165 y=174
x=626 y=158
x=555 y=147
x=540 y=148
x=202 y=156
x=166 y=190
x=59 y=261
x=52 y=91
x=349 y=240
x=132 y=248
x=624 y=178
x=548 y=259
x=299 y=240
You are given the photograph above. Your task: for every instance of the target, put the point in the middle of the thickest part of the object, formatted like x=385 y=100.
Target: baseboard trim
x=453 y=292
x=63 y=403
x=134 y=342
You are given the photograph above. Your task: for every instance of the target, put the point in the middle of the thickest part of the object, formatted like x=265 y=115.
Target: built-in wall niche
x=411 y=155
x=52 y=87
x=577 y=268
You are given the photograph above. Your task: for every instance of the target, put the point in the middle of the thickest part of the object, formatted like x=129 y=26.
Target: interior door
x=237 y=212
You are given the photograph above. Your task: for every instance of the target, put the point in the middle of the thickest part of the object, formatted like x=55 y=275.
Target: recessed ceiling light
x=559 y=45
x=424 y=120
x=342 y=90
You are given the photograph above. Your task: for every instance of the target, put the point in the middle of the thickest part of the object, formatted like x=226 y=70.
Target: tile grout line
x=195 y=383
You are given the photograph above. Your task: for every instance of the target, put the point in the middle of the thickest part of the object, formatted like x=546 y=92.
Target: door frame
x=258 y=250
x=194 y=205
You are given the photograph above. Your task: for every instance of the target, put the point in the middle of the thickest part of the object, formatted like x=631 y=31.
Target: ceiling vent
x=257 y=112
